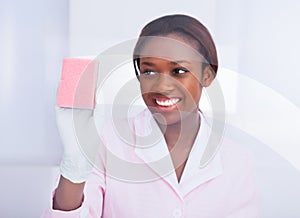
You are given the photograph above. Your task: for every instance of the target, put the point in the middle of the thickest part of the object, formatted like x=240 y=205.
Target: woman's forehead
x=153 y=61
x=169 y=48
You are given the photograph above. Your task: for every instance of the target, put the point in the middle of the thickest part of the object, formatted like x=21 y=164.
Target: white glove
x=74 y=165
x=79 y=137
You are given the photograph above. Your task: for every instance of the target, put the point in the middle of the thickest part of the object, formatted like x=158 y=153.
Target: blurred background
x=259 y=39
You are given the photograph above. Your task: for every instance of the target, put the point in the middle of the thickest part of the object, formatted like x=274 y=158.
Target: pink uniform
x=225 y=188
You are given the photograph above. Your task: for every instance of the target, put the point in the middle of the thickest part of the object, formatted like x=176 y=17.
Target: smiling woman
x=136 y=171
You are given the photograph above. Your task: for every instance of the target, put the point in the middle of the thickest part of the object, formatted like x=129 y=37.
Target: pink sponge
x=78 y=83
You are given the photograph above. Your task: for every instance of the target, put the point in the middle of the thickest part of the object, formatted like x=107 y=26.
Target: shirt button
x=177 y=213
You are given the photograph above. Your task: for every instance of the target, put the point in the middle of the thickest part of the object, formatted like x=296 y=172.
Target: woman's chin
x=169 y=118
x=170 y=115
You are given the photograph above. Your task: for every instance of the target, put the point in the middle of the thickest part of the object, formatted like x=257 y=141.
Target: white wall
x=95 y=25
x=33 y=40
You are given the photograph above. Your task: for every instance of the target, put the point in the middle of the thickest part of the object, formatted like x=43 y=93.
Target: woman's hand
x=74 y=127
x=77 y=130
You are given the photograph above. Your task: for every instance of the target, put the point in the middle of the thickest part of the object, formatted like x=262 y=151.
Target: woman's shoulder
x=235 y=156
x=228 y=146
x=123 y=130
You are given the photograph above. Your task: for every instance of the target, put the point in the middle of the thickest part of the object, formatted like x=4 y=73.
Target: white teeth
x=168 y=102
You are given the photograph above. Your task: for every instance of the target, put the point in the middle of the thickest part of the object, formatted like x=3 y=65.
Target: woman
x=174 y=58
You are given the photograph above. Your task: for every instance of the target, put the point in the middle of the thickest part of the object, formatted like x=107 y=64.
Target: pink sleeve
x=92 y=204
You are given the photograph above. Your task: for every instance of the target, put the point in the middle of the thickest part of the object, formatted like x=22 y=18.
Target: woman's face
x=171 y=85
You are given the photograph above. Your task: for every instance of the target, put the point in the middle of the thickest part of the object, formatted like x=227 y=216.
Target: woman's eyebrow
x=150 y=64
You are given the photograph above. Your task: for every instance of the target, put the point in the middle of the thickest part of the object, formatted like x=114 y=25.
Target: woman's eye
x=180 y=71
x=148 y=72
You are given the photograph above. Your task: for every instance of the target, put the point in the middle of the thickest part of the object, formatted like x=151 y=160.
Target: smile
x=167 y=102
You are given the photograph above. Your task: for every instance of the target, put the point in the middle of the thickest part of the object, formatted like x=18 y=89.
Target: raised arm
x=79 y=136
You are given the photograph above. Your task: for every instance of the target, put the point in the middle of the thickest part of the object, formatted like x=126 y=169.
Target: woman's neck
x=180 y=138
x=182 y=133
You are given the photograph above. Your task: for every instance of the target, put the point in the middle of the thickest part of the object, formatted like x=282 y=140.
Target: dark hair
x=183 y=26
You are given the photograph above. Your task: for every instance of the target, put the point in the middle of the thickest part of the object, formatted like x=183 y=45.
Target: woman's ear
x=207 y=76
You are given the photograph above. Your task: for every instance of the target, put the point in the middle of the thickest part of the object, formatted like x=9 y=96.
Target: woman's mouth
x=167 y=103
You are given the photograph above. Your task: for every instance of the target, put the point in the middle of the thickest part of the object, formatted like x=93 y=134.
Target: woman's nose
x=164 y=83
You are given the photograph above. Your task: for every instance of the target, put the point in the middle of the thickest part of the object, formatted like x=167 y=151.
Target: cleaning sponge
x=78 y=83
